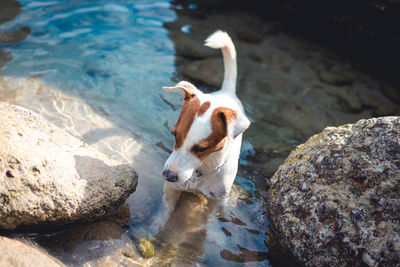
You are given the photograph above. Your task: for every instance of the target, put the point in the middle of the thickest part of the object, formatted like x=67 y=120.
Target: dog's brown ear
x=186 y=87
x=235 y=122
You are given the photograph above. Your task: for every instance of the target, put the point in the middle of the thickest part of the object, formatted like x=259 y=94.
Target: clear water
x=115 y=51
x=113 y=57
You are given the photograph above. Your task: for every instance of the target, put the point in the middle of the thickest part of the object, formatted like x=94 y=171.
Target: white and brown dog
x=208 y=134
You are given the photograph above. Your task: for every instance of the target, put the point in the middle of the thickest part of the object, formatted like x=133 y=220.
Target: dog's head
x=203 y=132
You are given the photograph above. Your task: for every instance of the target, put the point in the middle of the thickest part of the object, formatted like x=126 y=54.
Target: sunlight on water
x=101 y=66
x=115 y=52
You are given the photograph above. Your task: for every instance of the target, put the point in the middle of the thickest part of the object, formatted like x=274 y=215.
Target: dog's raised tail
x=221 y=40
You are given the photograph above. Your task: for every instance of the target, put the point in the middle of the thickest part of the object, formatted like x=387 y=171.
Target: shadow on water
x=184 y=236
x=85 y=242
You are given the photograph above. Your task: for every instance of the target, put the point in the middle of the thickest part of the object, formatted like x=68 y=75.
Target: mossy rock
x=330 y=199
x=146 y=248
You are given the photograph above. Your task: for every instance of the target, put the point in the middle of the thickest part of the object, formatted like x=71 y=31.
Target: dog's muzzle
x=170 y=176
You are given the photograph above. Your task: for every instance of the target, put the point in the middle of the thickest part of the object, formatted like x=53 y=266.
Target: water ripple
x=75 y=33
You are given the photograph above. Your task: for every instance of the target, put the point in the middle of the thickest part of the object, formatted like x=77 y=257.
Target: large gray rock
x=17 y=253
x=50 y=177
x=336 y=199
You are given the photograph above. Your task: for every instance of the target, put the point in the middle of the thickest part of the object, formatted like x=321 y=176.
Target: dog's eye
x=197 y=148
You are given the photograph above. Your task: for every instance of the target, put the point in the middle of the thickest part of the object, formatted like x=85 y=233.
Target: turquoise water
x=115 y=51
x=116 y=56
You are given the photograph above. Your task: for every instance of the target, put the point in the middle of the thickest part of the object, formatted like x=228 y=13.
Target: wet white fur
x=219 y=168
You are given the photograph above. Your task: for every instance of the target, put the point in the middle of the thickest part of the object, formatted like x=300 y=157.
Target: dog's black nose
x=170 y=176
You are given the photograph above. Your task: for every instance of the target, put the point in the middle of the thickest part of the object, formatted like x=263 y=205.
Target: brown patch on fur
x=185 y=120
x=220 y=120
x=204 y=107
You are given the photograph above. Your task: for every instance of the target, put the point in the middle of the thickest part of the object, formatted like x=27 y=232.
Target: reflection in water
x=182 y=238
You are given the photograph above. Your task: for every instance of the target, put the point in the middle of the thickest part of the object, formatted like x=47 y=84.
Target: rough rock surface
x=50 y=177
x=17 y=253
x=336 y=199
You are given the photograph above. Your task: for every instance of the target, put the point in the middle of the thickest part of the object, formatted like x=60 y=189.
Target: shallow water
x=97 y=68
x=105 y=49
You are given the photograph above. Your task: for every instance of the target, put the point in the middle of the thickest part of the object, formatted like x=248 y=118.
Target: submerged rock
x=9 y=37
x=250 y=36
x=192 y=46
x=336 y=199
x=9 y=9
x=334 y=78
x=5 y=56
x=209 y=71
x=50 y=177
x=88 y=241
x=391 y=92
x=146 y=248
x=17 y=253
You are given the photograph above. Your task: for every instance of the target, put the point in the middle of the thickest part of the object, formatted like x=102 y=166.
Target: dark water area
x=96 y=68
x=367 y=32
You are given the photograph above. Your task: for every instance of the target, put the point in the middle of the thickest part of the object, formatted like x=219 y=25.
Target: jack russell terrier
x=208 y=134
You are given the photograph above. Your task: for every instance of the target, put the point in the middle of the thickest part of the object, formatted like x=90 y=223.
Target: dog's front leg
x=170 y=198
